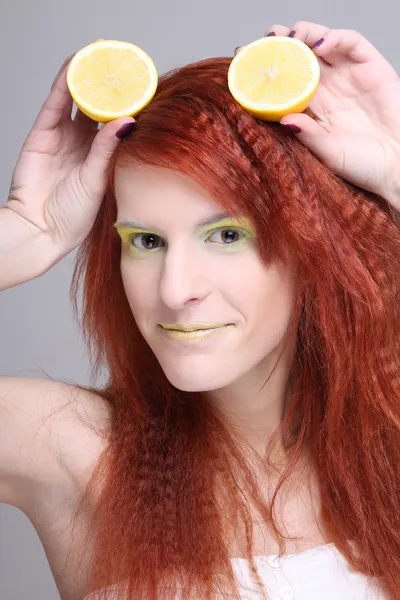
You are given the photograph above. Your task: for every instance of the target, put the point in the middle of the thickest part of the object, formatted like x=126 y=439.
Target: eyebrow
x=214 y=219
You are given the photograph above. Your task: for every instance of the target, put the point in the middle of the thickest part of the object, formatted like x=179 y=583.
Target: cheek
x=140 y=287
x=268 y=301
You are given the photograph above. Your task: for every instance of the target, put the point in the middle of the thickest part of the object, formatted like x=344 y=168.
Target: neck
x=255 y=407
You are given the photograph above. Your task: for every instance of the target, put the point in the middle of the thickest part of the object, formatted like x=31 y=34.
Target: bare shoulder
x=51 y=434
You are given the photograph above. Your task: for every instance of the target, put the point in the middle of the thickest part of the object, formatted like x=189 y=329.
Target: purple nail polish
x=292 y=33
x=270 y=33
x=317 y=44
x=125 y=130
x=291 y=127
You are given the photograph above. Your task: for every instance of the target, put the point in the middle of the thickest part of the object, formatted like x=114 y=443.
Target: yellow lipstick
x=192 y=326
x=195 y=332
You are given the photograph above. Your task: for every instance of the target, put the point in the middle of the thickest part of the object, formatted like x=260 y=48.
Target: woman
x=274 y=432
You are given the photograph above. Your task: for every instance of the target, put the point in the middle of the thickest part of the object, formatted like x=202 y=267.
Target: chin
x=195 y=381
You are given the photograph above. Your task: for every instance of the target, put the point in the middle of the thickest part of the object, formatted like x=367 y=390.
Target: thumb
x=94 y=169
x=309 y=132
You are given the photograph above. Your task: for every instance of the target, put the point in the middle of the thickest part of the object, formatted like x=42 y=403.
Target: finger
x=277 y=30
x=338 y=44
x=60 y=71
x=308 y=32
x=66 y=113
x=94 y=169
x=58 y=105
x=85 y=121
x=274 y=30
x=312 y=135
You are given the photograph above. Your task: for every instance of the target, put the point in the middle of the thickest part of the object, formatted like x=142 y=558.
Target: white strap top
x=319 y=573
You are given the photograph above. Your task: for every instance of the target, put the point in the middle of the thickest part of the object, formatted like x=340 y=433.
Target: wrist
x=25 y=252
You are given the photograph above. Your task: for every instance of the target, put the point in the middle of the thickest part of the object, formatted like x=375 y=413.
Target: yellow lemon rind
x=273 y=111
x=104 y=116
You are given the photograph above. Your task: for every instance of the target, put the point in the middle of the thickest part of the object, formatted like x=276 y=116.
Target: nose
x=184 y=278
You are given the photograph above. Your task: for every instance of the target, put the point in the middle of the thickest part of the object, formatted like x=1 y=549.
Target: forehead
x=149 y=189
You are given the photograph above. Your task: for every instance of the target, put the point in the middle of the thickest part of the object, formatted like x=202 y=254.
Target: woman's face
x=183 y=264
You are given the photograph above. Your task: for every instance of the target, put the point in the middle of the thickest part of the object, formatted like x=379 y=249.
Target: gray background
x=37 y=331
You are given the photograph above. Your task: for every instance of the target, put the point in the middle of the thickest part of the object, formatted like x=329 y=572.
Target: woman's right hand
x=60 y=178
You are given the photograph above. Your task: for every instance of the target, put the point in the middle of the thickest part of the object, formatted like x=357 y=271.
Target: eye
x=228 y=234
x=150 y=241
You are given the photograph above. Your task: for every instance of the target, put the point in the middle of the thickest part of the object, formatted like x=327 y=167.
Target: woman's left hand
x=355 y=129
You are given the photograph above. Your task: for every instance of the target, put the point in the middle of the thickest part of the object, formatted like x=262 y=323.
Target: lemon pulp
x=110 y=79
x=274 y=76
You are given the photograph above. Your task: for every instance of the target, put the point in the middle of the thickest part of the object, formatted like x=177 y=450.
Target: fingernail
x=292 y=33
x=270 y=33
x=125 y=130
x=292 y=127
x=317 y=44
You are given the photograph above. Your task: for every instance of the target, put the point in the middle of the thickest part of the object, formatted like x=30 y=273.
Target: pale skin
x=45 y=457
x=177 y=272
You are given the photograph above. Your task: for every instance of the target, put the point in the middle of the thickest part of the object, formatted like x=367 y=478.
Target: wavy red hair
x=157 y=522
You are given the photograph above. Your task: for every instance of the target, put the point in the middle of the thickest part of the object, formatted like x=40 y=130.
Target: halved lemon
x=274 y=76
x=109 y=79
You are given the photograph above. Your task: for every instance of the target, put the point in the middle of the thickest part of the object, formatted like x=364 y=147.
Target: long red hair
x=158 y=525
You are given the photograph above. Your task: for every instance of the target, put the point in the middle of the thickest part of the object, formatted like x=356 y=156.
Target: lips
x=191 y=326
x=190 y=334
